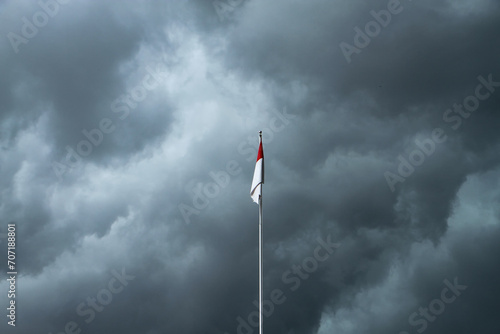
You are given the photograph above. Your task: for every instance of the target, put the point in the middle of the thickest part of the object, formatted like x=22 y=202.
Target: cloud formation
x=129 y=133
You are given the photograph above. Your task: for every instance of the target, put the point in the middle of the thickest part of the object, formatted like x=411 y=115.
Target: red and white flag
x=258 y=174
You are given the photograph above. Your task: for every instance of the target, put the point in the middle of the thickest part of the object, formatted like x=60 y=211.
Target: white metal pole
x=261 y=243
x=260 y=265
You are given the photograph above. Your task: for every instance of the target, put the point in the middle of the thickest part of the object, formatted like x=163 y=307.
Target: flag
x=258 y=175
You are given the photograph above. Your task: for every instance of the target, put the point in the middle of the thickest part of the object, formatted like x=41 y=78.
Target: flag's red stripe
x=260 y=155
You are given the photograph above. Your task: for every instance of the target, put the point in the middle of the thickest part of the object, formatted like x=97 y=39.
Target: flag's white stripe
x=255 y=190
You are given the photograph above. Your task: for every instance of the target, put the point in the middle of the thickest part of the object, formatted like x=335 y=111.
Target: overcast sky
x=129 y=133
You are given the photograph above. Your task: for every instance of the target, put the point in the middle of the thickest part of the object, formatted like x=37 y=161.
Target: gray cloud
x=171 y=94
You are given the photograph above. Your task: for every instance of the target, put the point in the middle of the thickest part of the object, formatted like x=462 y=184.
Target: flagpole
x=261 y=242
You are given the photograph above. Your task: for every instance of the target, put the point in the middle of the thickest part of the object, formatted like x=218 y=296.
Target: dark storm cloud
x=77 y=66
x=185 y=87
x=70 y=71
